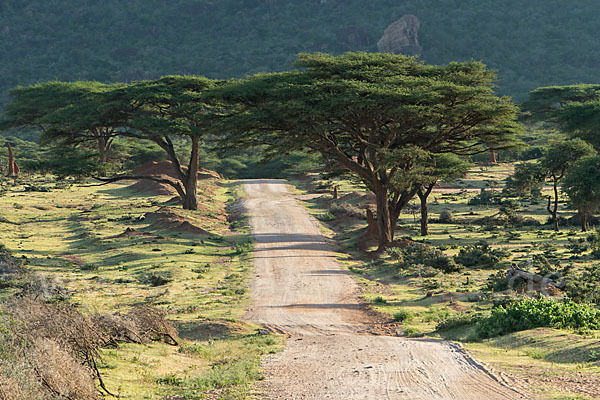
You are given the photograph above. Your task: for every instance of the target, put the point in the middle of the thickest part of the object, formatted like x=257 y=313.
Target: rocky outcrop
x=401 y=37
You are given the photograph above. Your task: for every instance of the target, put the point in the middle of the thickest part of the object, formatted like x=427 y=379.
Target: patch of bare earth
x=332 y=352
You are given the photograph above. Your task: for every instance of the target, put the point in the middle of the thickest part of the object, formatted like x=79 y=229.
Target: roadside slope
x=300 y=289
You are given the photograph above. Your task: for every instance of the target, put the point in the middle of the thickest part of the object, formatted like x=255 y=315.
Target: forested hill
x=531 y=43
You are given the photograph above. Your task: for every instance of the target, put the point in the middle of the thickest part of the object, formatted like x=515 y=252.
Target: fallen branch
x=529 y=277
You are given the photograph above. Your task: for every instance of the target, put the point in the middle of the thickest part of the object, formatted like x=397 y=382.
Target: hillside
x=533 y=43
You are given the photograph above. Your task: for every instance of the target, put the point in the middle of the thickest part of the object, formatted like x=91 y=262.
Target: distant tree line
x=530 y=44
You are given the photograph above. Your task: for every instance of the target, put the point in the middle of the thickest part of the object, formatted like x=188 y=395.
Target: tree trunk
x=372 y=230
x=493 y=156
x=11 y=161
x=335 y=192
x=190 y=201
x=102 y=148
x=424 y=208
x=554 y=211
x=384 y=217
x=584 y=222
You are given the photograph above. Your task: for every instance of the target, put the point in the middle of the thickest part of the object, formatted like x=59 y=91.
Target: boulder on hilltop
x=401 y=37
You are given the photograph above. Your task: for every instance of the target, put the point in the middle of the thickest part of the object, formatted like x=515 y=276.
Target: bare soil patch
x=168 y=218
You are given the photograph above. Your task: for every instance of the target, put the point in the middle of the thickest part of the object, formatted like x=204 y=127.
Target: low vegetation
x=531 y=313
x=103 y=293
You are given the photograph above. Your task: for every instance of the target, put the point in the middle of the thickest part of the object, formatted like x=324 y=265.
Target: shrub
x=412 y=332
x=446 y=217
x=585 y=286
x=395 y=253
x=347 y=210
x=500 y=282
x=52 y=351
x=403 y=316
x=244 y=248
x=379 y=300
x=531 y=313
x=576 y=246
x=418 y=254
x=458 y=321
x=88 y=267
x=480 y=255
x=156 y=278
x=326 y=217
x=485 y=197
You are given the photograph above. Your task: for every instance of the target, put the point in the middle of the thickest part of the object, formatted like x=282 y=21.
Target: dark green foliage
x=484 y=198
x=531 y=313
x=156 y=278
x=332 y=103
x=250 y=164
x=527 y=179
x=403 y=316
x=530 y=43
x=585 y=286
x=418 y=254
x=481 y=255
x=458 y=321
x=499 y=281
x=576 y=246
x=446 y=217
x=594 y=241
x=64 y=162
x=574 y=109
x=582 y=185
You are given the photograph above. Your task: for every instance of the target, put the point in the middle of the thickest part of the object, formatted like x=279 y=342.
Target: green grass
x=74 y=237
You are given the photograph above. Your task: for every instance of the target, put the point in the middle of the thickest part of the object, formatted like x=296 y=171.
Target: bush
x=458 y=321
x=403 y=316
x=244 y=248
x=326 y=217
x=532 y=313
x=500 y=282
x=51 y=351
x=446 y=217
x=484 y=198
x=417 y=254
x=156 y=278
x=586 y=286
x=576 y=246
x=480 y=255
x=347 y=210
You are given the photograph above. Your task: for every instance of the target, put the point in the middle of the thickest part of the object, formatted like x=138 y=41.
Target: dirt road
x=301 y=290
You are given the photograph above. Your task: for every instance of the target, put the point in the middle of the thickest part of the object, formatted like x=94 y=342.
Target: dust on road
x=301 y=290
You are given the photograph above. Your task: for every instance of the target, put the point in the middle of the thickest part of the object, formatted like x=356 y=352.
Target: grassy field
x=422 y=299
x=112 y=248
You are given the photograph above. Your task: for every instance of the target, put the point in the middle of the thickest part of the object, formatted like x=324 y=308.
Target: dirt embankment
x=301 y=290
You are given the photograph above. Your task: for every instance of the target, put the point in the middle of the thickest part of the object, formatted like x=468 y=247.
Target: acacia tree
x=441 y=167
x=72 y=113
x=373 y=114
x=546 y=103
x=555 y=164
x=574 y=109
x=582 y=185
x=158 y=111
